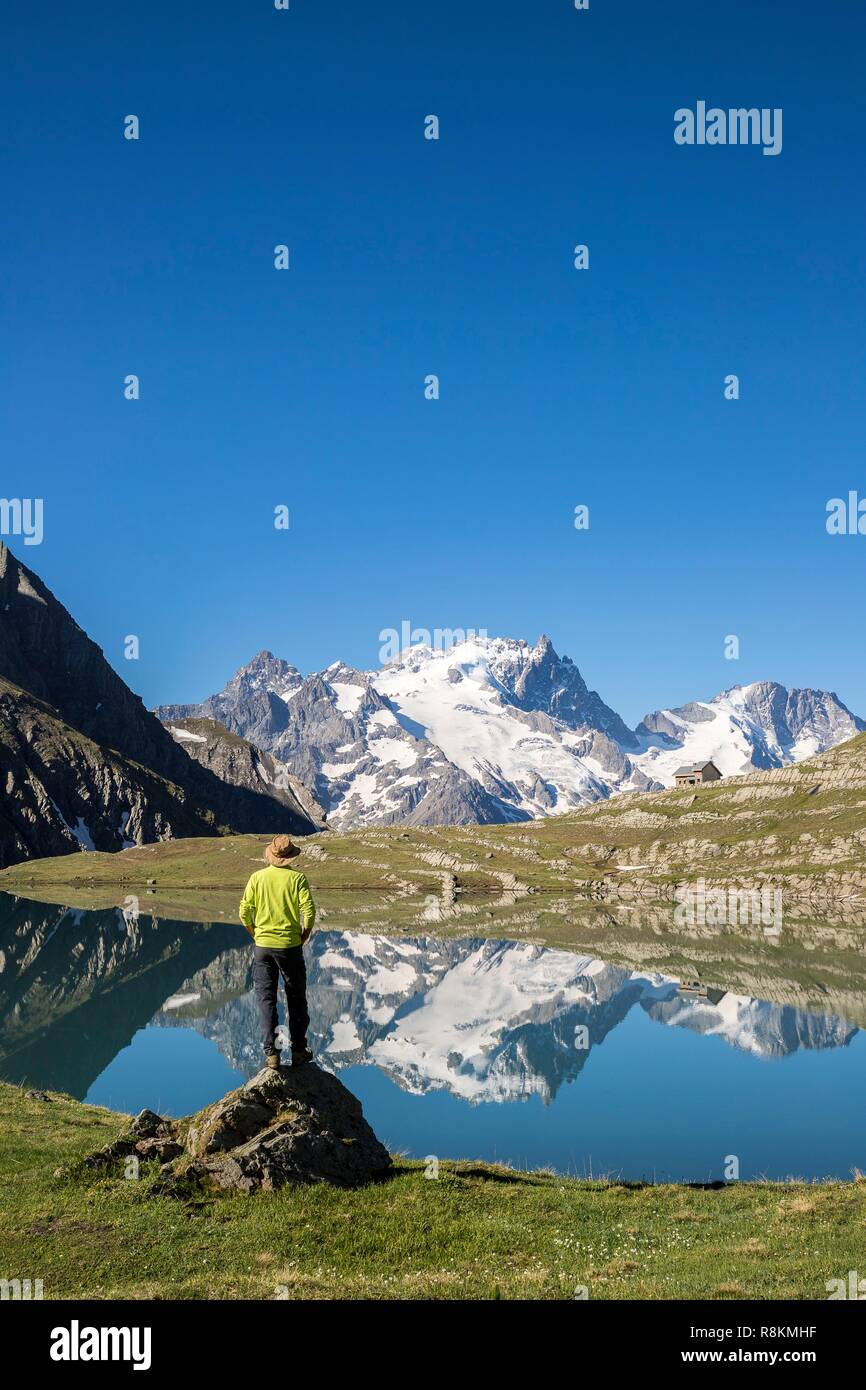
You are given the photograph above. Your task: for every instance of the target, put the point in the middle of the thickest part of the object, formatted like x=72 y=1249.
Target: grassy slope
x=209 y=728
x=801 y=821
x=475 y=1232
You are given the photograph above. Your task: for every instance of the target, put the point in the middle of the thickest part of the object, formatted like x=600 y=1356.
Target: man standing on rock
x=278 y=911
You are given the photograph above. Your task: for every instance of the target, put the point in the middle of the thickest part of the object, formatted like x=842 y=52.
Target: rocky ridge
x=494 y=730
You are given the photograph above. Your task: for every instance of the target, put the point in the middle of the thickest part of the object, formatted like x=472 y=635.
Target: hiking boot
x=300 y=1055
x=272 y=1061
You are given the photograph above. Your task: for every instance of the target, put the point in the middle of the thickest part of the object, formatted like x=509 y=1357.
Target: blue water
x=168 y=1070
x=652 y=1103
x=459 y=1049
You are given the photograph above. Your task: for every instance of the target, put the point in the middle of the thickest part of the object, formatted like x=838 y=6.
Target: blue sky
x=410 y=257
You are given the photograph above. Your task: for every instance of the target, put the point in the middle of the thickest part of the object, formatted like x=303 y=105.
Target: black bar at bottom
x=195 y=1340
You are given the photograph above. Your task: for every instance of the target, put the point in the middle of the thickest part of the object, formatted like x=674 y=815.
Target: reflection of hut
x=702 y=991
x=696 y=774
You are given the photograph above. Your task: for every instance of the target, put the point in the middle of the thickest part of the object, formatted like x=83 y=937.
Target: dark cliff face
x=60 y=792
x=551 y=684
x=83 y=764
x=238 y=763
x=46 y=653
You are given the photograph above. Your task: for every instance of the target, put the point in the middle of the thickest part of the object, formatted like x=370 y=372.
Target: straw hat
x=280 y=851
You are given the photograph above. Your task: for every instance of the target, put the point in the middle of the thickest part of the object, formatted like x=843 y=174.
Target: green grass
x=763 y=827
x=477 y=1231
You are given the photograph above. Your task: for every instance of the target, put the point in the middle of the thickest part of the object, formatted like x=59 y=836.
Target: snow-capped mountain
x=494 y=729
x=749 y=726
x=363 y=763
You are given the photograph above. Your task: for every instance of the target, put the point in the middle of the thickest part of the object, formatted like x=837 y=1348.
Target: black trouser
x=270 y=964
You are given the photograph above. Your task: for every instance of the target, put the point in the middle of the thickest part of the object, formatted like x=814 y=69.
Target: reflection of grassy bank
x=476 y=1232
x=817 y=963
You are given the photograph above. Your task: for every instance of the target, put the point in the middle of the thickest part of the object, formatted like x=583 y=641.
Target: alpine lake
x=572 y=1037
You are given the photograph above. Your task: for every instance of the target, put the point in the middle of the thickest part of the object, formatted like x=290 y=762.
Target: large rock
x=293 y=1125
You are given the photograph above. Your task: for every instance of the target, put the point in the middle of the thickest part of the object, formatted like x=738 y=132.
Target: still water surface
x=464 y=1048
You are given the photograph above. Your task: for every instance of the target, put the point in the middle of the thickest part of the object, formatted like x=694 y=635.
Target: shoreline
x=479 y=1231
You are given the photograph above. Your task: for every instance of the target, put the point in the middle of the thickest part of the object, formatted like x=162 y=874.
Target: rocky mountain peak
x=498 y=728
x=539 y=679
x=760 y=725
x=266 y=672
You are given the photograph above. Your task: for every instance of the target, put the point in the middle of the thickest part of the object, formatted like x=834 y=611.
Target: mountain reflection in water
x=441 y=1039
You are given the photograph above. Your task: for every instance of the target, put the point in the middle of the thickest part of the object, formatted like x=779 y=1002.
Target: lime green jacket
x=276 y=906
